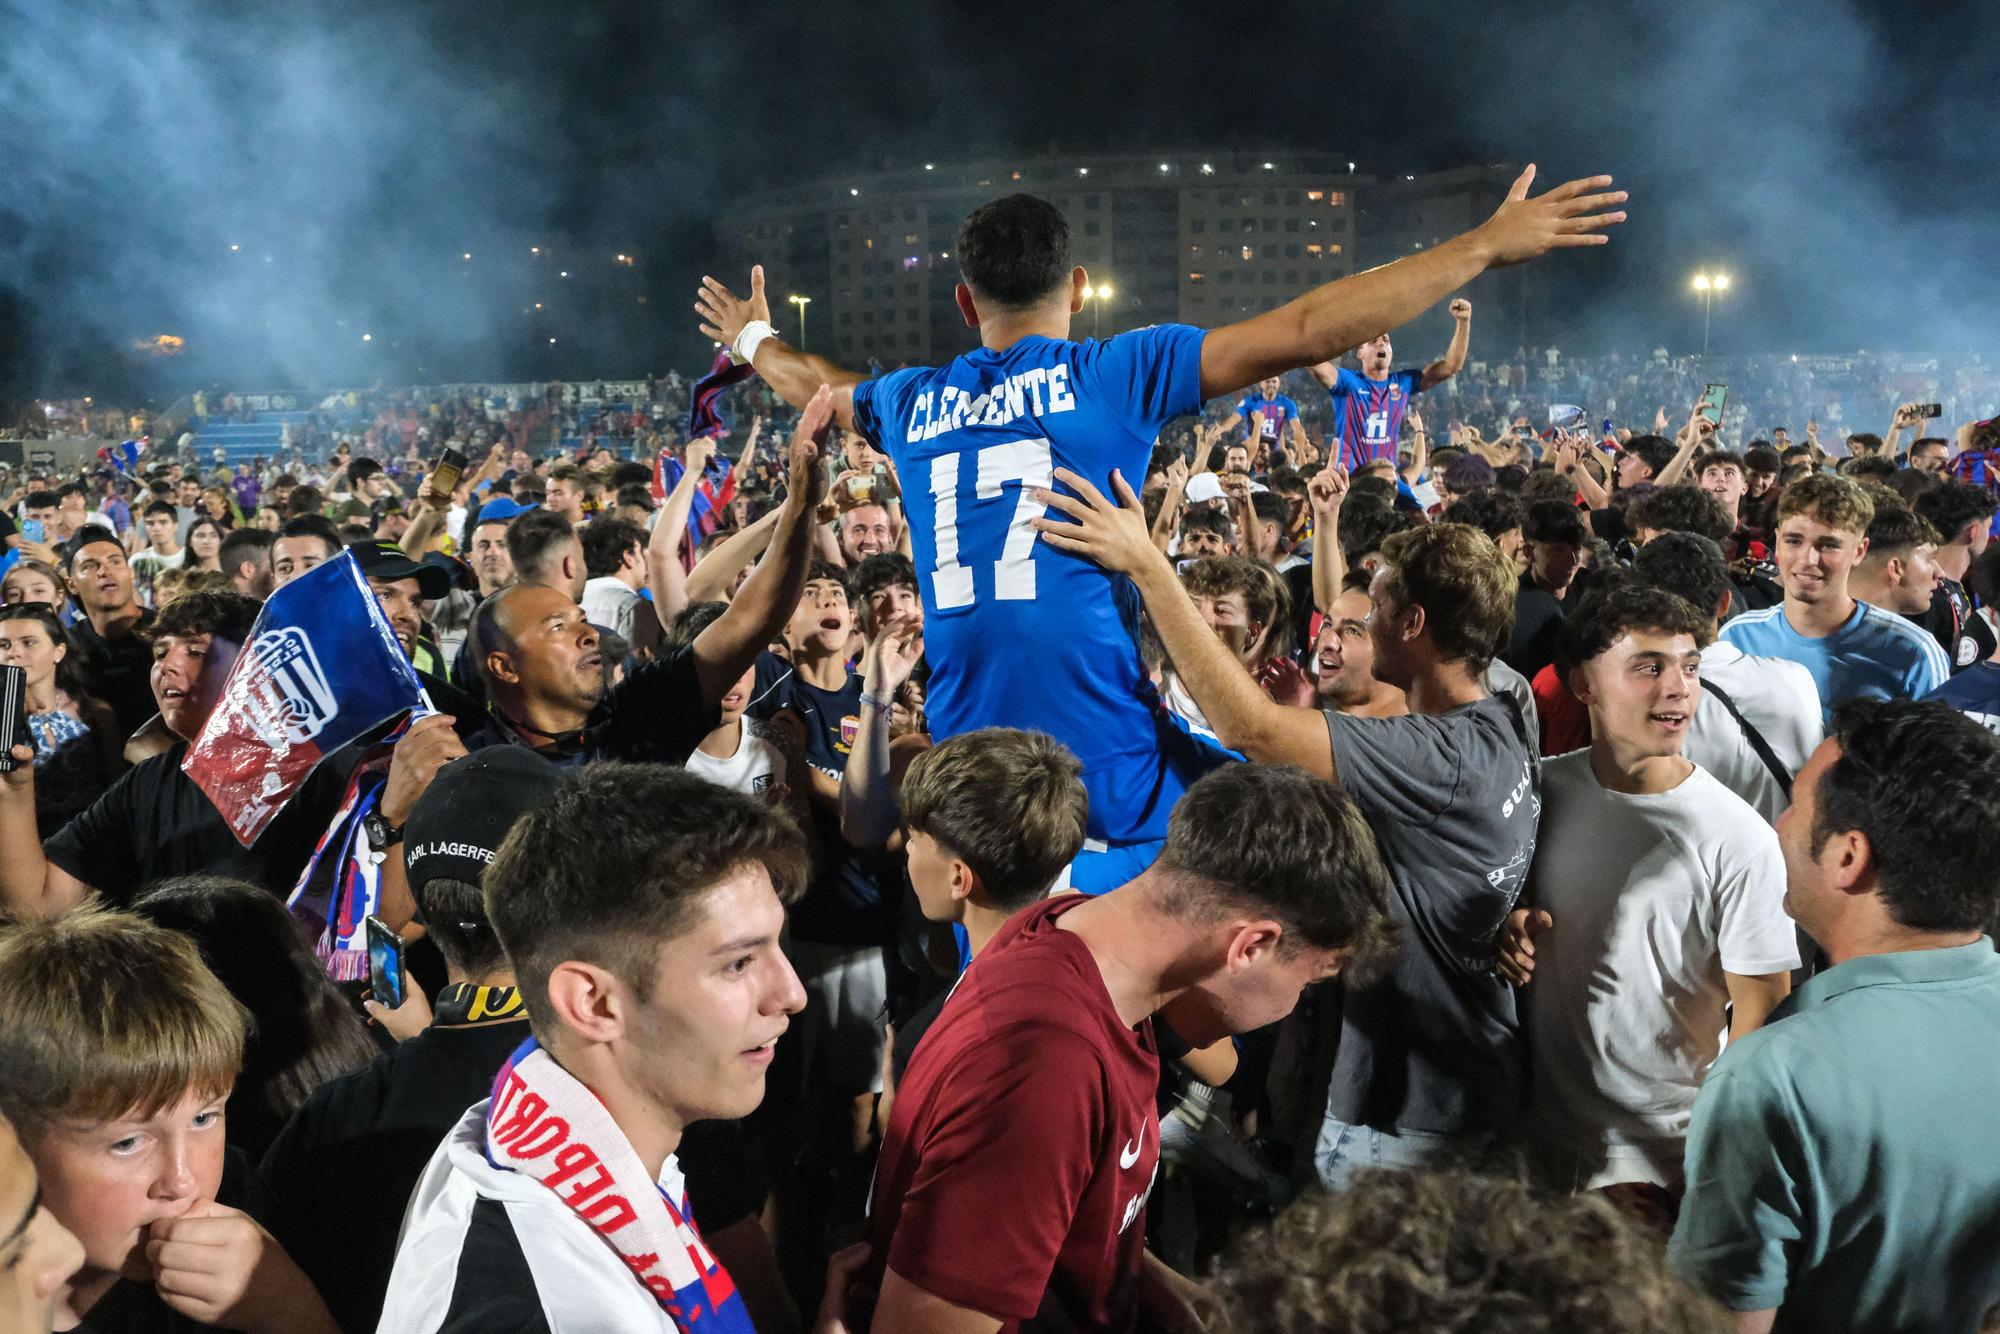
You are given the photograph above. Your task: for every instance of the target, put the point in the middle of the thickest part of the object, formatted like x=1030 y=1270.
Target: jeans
x=1343 y=1150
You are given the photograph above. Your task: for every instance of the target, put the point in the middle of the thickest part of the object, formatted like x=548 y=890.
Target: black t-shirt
x=1963 y=632
x=154 y=822
x=656 y=715
x=847 y=903
x=345 y=1165
x=121 y=671
x=1538 y=622
x=132 y=1307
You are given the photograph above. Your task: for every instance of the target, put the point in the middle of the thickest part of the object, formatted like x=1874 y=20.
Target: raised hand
x=1461 y=310
x=1906 y=416
x=892 y=655
x=1327 y=488
x=1177 y=473
x=1523 y=228
x=723 y=313
x=699 y=451
x=808 y=480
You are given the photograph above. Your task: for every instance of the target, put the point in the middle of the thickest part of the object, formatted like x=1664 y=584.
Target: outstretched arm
x=728 y=648
x=796 y=376
x=1243 y=716
x=1329 y=320
x=665 y=574
x=869 y=811
x=1453 y=360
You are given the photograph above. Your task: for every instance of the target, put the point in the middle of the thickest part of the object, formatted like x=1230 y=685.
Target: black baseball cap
x=386 y=560
x=457 y=826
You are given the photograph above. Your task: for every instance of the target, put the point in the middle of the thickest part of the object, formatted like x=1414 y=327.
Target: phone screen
x=1712 y=398
x=34 y=530
x=1929 y=410
x=385 y=962
x=13 y=715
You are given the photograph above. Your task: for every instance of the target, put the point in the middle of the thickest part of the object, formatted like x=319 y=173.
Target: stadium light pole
x=1096 y=295
x=1708 y=285
x=801 y=302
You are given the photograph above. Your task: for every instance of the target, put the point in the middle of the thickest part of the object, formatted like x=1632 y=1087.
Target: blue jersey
x=1017 y=633
x=1368 y=414
x=1874 y=654
x=1279 y=414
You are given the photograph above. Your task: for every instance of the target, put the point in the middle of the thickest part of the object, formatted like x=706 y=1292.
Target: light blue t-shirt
x=1876 y=654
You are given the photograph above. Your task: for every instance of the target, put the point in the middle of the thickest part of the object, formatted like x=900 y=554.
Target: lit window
x=1249 y=252
x=1315 y=250
x=909 y=261
x=1197 y=278
x=870 y=243
x=909 y=238
x=1314 y=196
x=1208 y=169
x=1337 y=198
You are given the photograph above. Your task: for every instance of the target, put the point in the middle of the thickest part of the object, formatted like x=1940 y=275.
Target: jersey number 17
x=1025 y=463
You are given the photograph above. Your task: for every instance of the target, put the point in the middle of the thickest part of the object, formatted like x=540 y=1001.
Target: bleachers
x=241 y=442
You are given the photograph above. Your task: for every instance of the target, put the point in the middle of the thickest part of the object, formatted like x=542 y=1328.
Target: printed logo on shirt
x=849 y=727
x=1968 y=649
x=1395 y=391
x=1130 y=1153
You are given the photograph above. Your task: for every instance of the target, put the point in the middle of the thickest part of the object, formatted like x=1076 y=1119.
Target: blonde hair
x=103 y=1015
x=1833 y=501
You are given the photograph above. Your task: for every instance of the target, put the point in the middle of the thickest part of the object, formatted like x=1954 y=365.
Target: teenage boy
x=1027 y=1119
x=1852 y=649
x=641 y=908
x=1653 y=913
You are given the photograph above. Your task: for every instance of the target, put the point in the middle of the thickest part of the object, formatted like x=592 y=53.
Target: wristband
x=744 y=349
x=871 y=702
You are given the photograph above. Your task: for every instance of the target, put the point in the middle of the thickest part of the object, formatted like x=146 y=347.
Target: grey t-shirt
x=1453 y=799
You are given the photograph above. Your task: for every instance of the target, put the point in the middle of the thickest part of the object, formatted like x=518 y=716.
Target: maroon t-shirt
x=1014 y=1173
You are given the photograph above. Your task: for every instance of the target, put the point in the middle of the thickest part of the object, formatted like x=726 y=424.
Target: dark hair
x=1681 y=509
x=535 y=539
x=1895 y=528
x=1015 y=251
x=165 y=507
x=629 y=473
x=1010 y=804
x=606 y=540
x=1921 y=441
x=1380 y=490
x=251 y=544
x=616 y=862
x=304 y=1032
x=1909 y=483
x=1686 y=564
x=1921 y=781
x=825 y=571
x=1655 y=451
x=1451 y=1250
x=229 y=615
x=1492 y=512
x=1761 y=457
x=68 y=489
x=1468 y=473
x=885 y=569
x=454 y=915
x=1870 y=467
x=1983 y=576
x=1554 y=521
x=1950 y=506
x=313 y=525
x=692 y=620
x=635 y=494
x=1313 y=865
x=1200 y=519
x=1867 y=440
x=1365 y=525
x=362 y=469
x=71 y=676
x=1510 y=477
x=1624 y=606
x=303 y=501
x=1718 y=458
x=39 y=500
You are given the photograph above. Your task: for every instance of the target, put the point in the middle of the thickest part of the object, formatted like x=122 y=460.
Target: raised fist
x=1460 y=308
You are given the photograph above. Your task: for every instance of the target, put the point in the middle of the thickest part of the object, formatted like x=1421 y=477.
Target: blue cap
x=502 y=508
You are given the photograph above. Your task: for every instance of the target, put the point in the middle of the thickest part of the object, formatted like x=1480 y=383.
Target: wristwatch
x=381 y=834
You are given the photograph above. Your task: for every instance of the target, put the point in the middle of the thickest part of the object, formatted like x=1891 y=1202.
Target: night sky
x=1837 y=159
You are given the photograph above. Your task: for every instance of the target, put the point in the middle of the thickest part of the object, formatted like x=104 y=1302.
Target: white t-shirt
x=612 y=603
x=755 y=768
x=1777 y=697
x=1654 y=898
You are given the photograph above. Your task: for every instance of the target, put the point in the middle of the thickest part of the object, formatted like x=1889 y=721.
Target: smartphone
x=446 y=472
x=1930 y=410
x=34 y=530
x=13 y=716
x=385 y=962
x=1713 y=396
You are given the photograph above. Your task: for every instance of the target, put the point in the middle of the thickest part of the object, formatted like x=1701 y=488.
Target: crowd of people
x=1069 y=839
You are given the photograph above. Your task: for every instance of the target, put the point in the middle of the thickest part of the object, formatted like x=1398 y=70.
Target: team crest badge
x=849 y=726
